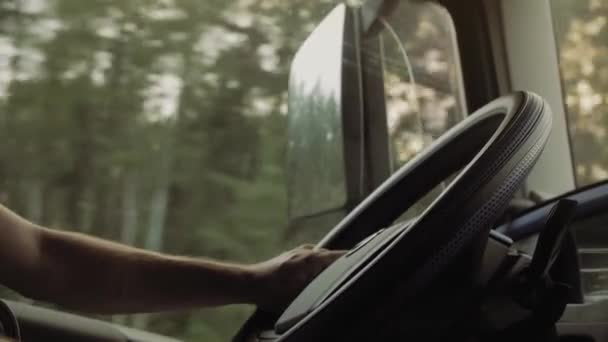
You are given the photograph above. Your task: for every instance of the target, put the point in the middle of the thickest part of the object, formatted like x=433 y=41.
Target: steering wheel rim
x=9 y=327
x=494 y=148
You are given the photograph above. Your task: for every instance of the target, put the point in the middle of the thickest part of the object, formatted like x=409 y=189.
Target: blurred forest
x=582 y=36
x=156 y=123
x=162 y=123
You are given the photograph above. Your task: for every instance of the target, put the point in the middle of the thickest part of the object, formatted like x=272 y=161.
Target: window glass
x=582 y=37
x=156 y=123
x=423 y=82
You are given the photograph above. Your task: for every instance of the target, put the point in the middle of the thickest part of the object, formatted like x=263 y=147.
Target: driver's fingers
x=322 y=261
x=331 y=256
x=325 y=258
x=308 y=246
x=332 y=253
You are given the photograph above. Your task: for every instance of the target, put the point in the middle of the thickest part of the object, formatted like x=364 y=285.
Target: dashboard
x=24 y=322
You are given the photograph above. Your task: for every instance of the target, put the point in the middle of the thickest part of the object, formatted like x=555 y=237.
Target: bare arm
x=90 y=274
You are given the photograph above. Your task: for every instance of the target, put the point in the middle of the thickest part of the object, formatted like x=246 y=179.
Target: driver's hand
x=286 y=275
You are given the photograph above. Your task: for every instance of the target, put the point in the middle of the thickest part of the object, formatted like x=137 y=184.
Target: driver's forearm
x=95 y=275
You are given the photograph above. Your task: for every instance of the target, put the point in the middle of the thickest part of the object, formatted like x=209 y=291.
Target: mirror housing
x=325 y=121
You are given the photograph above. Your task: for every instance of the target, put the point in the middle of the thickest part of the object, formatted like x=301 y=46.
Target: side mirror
x=324 y=161
x=327 y=151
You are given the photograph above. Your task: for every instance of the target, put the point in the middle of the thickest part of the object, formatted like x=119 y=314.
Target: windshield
x=423 y=83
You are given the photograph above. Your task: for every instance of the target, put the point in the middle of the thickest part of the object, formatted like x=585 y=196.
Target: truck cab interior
x=456 y=149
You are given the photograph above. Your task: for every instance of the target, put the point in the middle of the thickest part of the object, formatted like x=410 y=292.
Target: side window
x=582 y=36
x=159 y=124
x=423 y=82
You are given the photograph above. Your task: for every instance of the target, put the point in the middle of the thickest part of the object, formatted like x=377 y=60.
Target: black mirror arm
x=371 y=11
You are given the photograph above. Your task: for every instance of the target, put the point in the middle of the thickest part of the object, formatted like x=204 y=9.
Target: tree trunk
x=158 y=206
x=160 y=197
x=33 y=200
x=86 y=209
x=129 y=223
x=129 y=211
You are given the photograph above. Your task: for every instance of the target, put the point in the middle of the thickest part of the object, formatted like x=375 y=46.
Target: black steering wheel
x=417 y=278
x=9 y=327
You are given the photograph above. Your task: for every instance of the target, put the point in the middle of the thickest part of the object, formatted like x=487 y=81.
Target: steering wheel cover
x=495 y=148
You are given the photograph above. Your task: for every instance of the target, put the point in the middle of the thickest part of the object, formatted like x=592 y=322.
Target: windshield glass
x=581 y=35
x=423 y=83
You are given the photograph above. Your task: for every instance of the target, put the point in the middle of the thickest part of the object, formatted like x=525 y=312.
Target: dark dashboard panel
x=585 y=320
x=41 y=324
x=8 y=323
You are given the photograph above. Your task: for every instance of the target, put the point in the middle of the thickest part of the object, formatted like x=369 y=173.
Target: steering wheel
x=418 y=277
x=9 y=327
